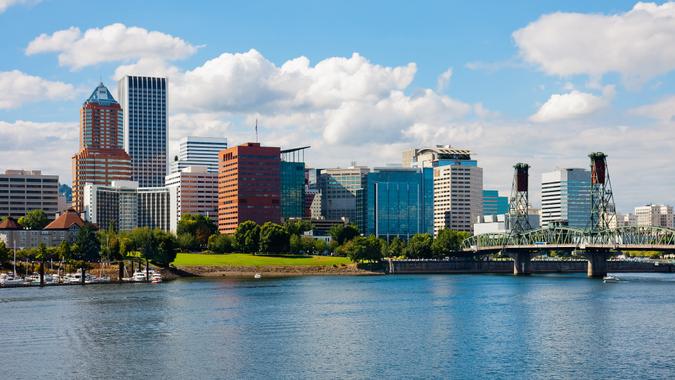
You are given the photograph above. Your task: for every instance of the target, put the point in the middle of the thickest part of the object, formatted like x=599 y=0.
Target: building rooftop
x=101 y=96
x=66 y=221
x=9 y=224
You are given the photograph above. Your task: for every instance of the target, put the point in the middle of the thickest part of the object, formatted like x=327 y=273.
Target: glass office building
x=399 y=202
x=494 y=204
x=292 y=189
x=144 y=102
x=566 y=198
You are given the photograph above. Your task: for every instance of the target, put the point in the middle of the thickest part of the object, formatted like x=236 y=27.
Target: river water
x=416 y=326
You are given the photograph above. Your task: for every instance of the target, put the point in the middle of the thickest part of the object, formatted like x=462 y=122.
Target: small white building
x=194 y=191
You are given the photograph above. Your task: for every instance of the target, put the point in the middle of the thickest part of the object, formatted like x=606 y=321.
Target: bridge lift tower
x=518 y=216
x=603 y=212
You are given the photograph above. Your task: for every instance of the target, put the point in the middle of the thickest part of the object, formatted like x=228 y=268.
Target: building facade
x=199 y=151
x=458 y=195
x=292 y=189
x=25 y=190
x=399 y=202
x=342 y=194
x=64 y=228
x=249 y=186
x=145 y=120
x=124 y=206
x=313 y=204
x=196 y=192
x=101 y=158
x=494 y=204
x=566 y=197
x=654 y=216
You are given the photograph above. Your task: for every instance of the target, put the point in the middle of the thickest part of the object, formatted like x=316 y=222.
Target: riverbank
x=246 y=265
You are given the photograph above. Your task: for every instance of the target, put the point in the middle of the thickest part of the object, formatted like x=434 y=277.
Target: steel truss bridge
x=566 y=238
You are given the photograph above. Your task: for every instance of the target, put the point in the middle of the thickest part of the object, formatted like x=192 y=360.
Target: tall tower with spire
x=101 y=158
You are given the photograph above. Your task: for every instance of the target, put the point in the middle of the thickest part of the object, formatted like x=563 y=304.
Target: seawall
x=562 y=266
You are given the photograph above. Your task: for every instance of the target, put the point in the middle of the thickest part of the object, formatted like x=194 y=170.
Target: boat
x=139 y=276
x=257 y=276
x=11 y=280
x=155 y=277
x=610 y=279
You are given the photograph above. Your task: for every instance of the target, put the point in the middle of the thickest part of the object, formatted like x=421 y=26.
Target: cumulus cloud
x=571 y=105
x=57 y=142
x=17 y=88
x=443 y=80
x=663 y=110
x=638 y=44
x=112 y=43
x=4 y=4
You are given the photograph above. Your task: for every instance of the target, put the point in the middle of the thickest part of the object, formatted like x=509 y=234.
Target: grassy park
x=248 y=260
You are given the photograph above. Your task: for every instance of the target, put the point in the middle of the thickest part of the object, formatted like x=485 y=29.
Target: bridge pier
x=521 y=263
x=597 y=263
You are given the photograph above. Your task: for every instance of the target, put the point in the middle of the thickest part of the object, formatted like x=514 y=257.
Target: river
x=416 y=326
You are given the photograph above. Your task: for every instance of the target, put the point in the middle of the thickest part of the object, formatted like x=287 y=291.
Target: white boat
x=11 y=280
x=610 y=279
x=257 y=276
x=139 y=276
x=155 y=277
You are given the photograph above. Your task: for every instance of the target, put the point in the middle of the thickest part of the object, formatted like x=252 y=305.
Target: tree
x=362 y=249
x=341 y=233
x=247 y=236
x=418 y=247
x=295 y=244
x=167 y=247
x=4 y=252
x=297 y=226
x=187 y=242
x=273 y=238
x=87 y=246
x=394 y=248
x=320 y=246
x=34 y=220
x=41 y=257
x=448 y=242
x=221 y=243
x=143 y=240
x=197 y=225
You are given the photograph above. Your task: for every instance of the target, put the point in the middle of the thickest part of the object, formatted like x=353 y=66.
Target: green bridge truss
x=566 y=237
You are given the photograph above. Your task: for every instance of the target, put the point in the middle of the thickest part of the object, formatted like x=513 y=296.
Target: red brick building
x=249 y=186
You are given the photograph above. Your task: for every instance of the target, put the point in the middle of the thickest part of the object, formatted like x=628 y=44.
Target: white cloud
x=571 y=105
x=443 y=80
x=17 y=88
x=112 y=43
x=4 y=4
x=638 y=44
x=663 y=110
x=41 y=146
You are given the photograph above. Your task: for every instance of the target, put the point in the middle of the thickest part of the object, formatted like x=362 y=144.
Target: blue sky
x=508 y=98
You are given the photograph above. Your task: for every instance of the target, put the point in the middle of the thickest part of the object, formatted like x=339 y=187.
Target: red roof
x=9 y=224
x=65 y=221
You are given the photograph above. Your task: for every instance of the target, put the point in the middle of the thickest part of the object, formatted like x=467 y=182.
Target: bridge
x=595 y=243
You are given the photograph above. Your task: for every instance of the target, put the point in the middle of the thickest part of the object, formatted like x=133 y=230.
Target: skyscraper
x=25 y=190
x=101 y=158
x=342 y=193
x=494 y=204
x=566 y=197
x=199 y=151
x=399 y=202
x=249 y=186
x=144 y=102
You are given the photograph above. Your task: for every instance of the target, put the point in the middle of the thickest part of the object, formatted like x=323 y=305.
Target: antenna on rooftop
x=256 y=130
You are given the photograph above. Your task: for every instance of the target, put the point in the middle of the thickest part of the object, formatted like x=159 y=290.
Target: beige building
x=458 y=197
x=25 y=190
x=63 y=228
x=196 y=192
x=654 y=216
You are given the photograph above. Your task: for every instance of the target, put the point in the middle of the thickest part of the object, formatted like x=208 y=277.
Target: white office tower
x=196 y=192
x=199 y=151
x=566 y=198
x=145 y=109
x=458 y=195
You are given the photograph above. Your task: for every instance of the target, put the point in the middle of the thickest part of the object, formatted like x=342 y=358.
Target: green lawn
x=246 y=260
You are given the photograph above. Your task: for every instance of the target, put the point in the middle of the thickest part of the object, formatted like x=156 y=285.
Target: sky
x=541 y=82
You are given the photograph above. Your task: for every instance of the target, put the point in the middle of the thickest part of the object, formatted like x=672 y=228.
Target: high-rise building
x=458 y=195
x=292 y=189
x=199 y=151
x=342 y=194
x=101 y=158
x=145 y=107
x=196 y=192
x=312 y=176
x=313 y=204
x=494 y=204
x=25 y=190
x=654 y=216
x=399 y=202
x=566 y=198
x=438 y=156
x=249 y=186
x=124 y=206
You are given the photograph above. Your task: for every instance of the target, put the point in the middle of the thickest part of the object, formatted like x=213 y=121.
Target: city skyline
x=497 y=91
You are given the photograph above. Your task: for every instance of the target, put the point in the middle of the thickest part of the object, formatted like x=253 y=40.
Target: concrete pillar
x=597 y=263
x=521 y=263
